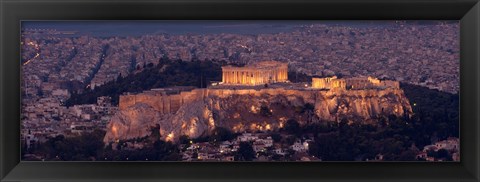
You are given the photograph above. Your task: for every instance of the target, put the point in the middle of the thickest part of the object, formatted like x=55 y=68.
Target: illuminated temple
x=356 y=83
x=256 y=74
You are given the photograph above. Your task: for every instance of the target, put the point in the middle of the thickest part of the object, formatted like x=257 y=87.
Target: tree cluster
x=166 y=73
x=90 y=147
x=396 y=138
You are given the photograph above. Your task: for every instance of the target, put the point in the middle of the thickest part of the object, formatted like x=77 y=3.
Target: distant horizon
x=109 y=28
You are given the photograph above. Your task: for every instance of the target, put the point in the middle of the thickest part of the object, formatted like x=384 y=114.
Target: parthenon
x=255 y=74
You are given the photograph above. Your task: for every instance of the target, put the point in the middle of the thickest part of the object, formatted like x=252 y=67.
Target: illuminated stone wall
x=370 y=82
x=358 y=83
x=256 y=74
x=161 y=101
x=190 y=112
x=329 y=83
x=390 y=84
x=166 y=104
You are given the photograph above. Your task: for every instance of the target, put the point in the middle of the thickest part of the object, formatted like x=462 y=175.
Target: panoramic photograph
x=228 y=91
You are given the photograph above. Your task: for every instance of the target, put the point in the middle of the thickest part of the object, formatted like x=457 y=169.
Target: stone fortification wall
x=366 y=102
x=198 y=111
x=358 y=83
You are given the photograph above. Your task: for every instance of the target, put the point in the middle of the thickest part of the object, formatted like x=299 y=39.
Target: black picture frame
x=13 y=11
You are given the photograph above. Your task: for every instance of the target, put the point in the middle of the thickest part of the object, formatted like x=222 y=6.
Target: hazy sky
x=135 y=28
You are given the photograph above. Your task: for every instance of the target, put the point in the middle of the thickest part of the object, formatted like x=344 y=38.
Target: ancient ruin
x=234 y=103
x=255 y=74
x=356 y=83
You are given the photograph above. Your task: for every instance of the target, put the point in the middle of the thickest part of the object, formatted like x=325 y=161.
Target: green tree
x=292 y=127
x=155 y=132
x=245 y=152
x=408 y=155
x=444 y=154
x=308 y=107
x=276 y=137
x=184 y=139
x=265 y=111
x=221 y=134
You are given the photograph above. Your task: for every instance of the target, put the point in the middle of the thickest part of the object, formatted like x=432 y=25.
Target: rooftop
x=259 y=65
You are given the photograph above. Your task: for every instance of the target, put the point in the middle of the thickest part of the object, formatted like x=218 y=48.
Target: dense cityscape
x=60 y=64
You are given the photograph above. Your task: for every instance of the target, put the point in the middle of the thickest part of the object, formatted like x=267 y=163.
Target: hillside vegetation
x=165 y=74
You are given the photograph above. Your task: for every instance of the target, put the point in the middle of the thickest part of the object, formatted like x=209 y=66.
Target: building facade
x=329 y=83
x=256 y=74
x=356 y=83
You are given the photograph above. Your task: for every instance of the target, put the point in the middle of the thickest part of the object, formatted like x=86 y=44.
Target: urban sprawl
x=426 y=55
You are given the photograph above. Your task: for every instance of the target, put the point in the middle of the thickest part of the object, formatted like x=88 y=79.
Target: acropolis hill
x=235 y=103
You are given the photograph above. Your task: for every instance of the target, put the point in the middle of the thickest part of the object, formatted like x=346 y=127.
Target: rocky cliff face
x=240 y=110
x=132 y=123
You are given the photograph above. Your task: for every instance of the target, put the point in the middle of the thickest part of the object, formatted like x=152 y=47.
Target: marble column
x=223 y=76
x=244 y=79
x=227 y=77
